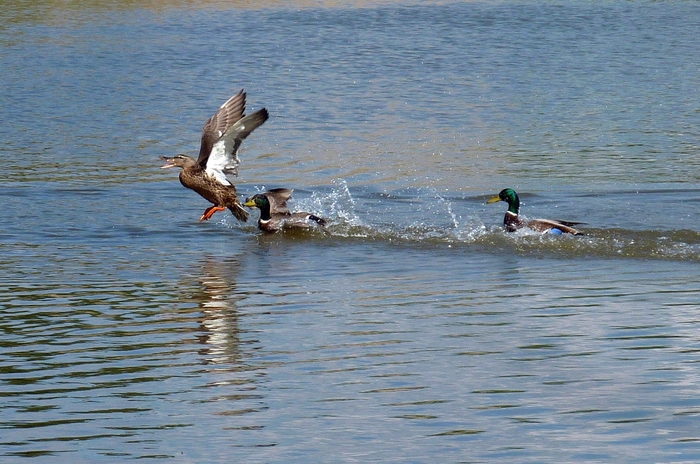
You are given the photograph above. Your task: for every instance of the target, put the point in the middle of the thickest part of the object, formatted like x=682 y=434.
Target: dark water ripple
x=106 y=351
x=122 y=362
x=501 y=350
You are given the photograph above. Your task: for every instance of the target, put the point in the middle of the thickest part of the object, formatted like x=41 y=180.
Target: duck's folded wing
x=545 y=225
x=303 y=220
x=569 y=223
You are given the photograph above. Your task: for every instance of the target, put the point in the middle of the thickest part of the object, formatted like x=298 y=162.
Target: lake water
x=417 y=330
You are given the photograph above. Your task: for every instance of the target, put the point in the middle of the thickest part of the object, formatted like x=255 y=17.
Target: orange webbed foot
x=209 y=212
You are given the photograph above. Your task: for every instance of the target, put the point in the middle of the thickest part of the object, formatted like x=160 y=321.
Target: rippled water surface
x=416 y=330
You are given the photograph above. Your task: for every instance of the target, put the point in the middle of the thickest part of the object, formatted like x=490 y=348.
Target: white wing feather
x=218 y=160
x=223 y=158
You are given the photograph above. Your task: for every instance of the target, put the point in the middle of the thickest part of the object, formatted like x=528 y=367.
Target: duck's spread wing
x=222 y=136
x=242 y=129
x=226 y=116
x=278 y=200
x=223 y=157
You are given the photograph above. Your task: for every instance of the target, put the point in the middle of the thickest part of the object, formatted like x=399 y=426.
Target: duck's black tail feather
x=320 y=221
x=238 y=211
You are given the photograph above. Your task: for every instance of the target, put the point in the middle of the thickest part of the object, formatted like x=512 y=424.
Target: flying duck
x=222 y=136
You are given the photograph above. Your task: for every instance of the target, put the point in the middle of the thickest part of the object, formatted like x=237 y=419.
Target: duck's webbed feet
x=209 y=212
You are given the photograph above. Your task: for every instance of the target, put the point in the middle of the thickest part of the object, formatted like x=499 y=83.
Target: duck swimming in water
x=275 y=215
x=512 y=222
x=222 y=136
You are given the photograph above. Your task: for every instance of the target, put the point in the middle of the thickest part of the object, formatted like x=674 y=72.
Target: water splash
x=426 y=216
x=339 y=205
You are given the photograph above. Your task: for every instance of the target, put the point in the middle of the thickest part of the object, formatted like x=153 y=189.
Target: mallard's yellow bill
x=494 y=199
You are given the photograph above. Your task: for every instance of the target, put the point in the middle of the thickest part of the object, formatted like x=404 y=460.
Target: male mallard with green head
x=512 y=222
x=275 y=215
x=222 y=136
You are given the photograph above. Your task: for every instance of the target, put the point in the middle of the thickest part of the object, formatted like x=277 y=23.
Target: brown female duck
x=275 y=215
x=222 y=136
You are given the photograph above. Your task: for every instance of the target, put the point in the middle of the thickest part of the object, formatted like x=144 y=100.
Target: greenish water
x=417 y=330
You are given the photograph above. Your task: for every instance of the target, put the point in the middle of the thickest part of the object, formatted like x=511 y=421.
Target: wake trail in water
x=429 y=217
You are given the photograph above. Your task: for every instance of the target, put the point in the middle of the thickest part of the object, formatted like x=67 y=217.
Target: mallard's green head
x=509 y=196
x=261 y=202
x=257 y=201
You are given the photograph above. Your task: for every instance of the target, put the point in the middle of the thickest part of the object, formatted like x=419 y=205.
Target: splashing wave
x=427 y=217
